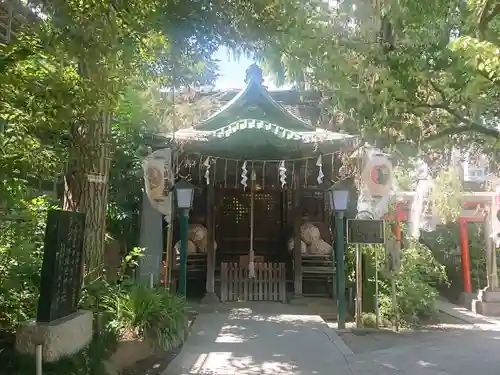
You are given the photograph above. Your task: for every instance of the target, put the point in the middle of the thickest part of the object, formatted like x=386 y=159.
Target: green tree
x=396 y=72
x=103 y=46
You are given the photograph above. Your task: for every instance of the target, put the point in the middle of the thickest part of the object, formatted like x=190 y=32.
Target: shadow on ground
x=451 y=347
x=261 y=339
x=251 y=339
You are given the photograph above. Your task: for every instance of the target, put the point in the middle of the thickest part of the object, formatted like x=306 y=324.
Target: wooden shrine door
x=232 y=220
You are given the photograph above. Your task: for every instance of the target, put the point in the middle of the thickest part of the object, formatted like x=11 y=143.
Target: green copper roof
x=310 y=136
x=261 y=140
x=254 y=102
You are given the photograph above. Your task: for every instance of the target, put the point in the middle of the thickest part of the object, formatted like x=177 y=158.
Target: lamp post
x=184 y=194
x=339 y=198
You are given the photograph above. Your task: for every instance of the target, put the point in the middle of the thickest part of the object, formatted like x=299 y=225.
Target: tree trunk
x=86 y=185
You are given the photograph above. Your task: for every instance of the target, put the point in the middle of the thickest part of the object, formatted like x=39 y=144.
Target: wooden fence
x=269 y=283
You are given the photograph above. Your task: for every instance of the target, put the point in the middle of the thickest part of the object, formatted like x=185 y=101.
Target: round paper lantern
x=377 y=176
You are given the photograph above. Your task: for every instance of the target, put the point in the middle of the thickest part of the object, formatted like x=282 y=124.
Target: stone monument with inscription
x=60 y=327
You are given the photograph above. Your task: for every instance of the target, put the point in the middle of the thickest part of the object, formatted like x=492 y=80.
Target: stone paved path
x=267 y=339
x=251 y=341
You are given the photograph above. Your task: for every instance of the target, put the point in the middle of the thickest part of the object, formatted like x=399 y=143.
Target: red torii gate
x=470 y=213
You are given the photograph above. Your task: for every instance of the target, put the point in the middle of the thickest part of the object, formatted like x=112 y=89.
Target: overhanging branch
x=471 y=128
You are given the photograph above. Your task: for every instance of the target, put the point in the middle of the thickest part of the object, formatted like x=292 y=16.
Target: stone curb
x=465 y=315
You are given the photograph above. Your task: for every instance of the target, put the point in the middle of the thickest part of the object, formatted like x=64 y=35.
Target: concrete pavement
x=270 y=339
x=251 y=341
x=454 y=352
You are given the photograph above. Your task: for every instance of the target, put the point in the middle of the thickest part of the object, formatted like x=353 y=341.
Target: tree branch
x=493 y=14
x=471 y=128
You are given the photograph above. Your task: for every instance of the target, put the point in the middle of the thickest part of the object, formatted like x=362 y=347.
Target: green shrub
x=416 y=284
x=369 y=320
x=21 y=254
x=141 y=312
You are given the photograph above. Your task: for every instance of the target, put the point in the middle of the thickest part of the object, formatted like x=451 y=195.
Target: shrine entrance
x=263 y=228
x=251 y=222
x=233 y=224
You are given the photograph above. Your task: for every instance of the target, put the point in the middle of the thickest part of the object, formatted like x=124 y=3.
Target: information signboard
x=365 y=231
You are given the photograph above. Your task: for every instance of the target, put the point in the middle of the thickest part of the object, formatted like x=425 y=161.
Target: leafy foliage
x=416 y=282
x=447 y=194
x=21 y=252
x=445 y=244
x=386 y=73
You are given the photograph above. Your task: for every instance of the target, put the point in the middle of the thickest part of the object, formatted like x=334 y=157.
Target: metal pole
x=359 y=287
x=377 y=308
x=169 y=252
x=395 y=307
x=183 y=260
x=339 y=249
x=38 y=359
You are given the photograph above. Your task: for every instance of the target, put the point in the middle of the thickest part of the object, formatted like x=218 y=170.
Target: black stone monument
x=62 y=268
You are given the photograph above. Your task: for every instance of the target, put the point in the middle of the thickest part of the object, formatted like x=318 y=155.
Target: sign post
x=364 y=232
x=393 y=255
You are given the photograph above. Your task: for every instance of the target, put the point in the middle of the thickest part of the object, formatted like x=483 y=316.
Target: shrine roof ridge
x=254 y=97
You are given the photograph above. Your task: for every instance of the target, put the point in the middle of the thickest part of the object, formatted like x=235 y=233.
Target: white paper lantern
x=378 y=164
x=158 y=180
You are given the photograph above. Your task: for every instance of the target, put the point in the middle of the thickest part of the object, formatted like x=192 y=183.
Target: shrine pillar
x=465 y=256
x=297 y=239
x=210 y=296
x=491 y=263
x=488 y=300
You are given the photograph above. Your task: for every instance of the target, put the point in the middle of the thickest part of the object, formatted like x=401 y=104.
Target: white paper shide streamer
x=321 y=175
x=244 y=173
x=206 y=164
x=282 y=171
x=422 y=215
